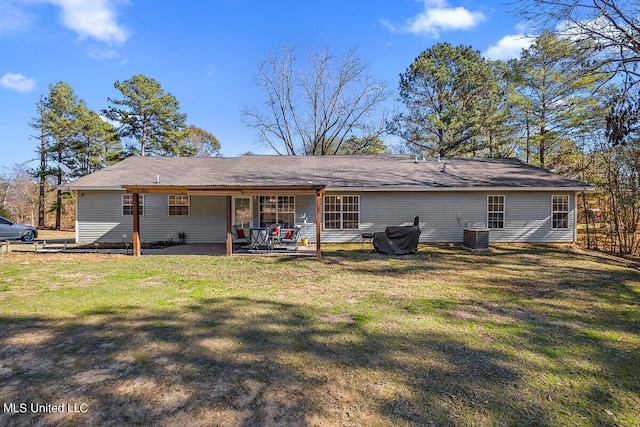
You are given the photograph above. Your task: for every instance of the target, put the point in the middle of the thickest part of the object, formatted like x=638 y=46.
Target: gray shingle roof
x=364 y=173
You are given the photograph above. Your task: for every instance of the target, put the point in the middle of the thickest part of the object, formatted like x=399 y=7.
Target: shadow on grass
x=511 y=356
x=211 y=364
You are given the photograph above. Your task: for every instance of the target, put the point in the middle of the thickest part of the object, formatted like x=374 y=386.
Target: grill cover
x=397 y=240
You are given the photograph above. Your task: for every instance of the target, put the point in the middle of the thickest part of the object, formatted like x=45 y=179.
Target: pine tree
x=149 y=116
x=555 y=81
x=452 y=98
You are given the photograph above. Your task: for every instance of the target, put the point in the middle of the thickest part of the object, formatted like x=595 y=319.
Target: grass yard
x=526 y=335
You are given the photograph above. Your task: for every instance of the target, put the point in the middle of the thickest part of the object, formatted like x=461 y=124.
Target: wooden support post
x=318 y=223
x=229 y=237
x=575 y=217
x=137 y=251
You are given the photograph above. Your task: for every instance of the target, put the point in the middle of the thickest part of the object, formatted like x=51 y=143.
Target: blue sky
x=205 y=53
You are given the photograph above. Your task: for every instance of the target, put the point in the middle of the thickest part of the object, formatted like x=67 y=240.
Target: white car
x=9 y=230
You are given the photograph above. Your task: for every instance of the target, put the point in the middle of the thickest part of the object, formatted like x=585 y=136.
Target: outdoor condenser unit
x=476 y=238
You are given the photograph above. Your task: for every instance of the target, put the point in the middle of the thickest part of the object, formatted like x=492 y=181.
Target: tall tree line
x=457 y=103
x=609 y=32
x=74 y=140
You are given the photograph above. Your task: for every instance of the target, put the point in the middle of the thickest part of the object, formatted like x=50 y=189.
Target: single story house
x=341 y=198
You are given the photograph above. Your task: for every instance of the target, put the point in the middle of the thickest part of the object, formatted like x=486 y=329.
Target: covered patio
x=228 y=191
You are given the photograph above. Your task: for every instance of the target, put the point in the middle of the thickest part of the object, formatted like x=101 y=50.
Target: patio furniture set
x=266 y=238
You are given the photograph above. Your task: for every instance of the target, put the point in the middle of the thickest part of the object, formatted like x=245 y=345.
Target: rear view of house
x=341 y=198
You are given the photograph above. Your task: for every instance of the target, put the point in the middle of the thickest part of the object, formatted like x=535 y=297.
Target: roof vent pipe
x=423 y=158
x=157 y=179
x=438 y=157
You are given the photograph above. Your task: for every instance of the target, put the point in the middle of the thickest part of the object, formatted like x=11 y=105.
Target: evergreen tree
x=150 y=116
x=96 y=143
x=452 y=97
x=39 y=124
x=367 y=145
x=555 y=80
x=73 y=141
x=60 y=105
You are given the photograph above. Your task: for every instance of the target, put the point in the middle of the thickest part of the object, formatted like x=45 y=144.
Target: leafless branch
x=314 y=111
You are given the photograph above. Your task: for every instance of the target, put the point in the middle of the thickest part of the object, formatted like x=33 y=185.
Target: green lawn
x=525 y=335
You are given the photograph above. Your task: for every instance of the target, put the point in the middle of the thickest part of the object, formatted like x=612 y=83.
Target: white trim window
x=559 y=212
x=341 y=212
x=495 y=212
x=179 y=204
x=278 y=210
x=127 y=204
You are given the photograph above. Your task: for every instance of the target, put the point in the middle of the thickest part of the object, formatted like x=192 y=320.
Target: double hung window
x=341 y=212
x=127 y=204
x=495 y=212
x=179 y=205
x=559 y=212
x=278 y=209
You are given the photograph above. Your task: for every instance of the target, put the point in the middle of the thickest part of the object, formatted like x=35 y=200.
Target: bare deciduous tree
x=614 y=25
x=317 y=110
x=18 y=194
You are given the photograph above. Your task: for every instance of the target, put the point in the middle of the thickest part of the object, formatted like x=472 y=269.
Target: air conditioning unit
x=476 y=238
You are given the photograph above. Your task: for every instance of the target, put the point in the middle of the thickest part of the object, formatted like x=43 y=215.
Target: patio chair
x=292 y=237
x=274 y=230
x=260 y=238
x=239 y=237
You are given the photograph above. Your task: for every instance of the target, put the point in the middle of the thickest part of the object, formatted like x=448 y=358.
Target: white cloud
x=100 y=54
x=96 y=19
x=598 y=30
x=13 y=17
x=509 y=47
x=438 y=17
x=17 y=82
